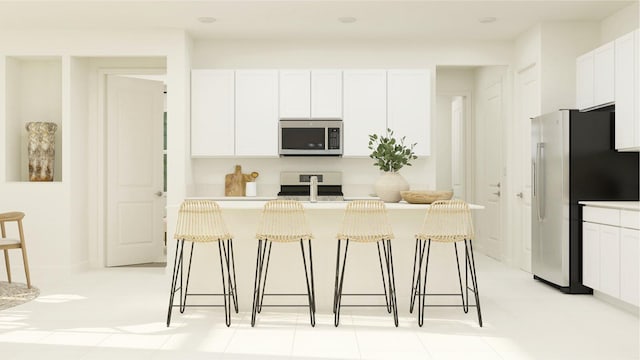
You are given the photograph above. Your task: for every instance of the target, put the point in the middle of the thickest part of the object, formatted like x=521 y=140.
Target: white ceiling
x=390 y=19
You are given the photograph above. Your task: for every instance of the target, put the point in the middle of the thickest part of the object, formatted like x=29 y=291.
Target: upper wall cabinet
x=212 y=113
x=595 y=78
x=310 y=94
x=365 y=109
x=627 y=92
x=409 y=106
x=256 y=113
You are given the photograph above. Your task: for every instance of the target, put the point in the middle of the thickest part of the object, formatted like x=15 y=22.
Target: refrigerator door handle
x=539 y=181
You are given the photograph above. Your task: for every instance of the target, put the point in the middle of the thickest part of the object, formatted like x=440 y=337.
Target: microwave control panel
x=334 y=138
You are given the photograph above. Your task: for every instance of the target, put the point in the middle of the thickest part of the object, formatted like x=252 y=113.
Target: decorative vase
x=41 y=148
x=389 y=185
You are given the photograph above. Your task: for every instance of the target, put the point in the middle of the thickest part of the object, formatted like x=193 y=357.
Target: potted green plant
x=390 y=156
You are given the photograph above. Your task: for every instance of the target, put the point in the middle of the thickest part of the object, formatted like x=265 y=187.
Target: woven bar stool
x=283 y=221
x=365 y=221
x=11 y=243
x=445 y=222
x=200 y=221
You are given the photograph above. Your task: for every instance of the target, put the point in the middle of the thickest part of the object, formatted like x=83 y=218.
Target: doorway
x=134 y=119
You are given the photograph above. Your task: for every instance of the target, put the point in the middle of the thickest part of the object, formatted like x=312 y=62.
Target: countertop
x=623 y=205
x=258 y=203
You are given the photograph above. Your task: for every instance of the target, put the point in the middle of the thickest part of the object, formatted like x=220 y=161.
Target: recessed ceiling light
x=206 y=19
x=347 y=19
x=486 y=19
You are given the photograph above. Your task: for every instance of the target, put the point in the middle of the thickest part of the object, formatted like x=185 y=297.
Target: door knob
x=520 y=195
x=158 y=193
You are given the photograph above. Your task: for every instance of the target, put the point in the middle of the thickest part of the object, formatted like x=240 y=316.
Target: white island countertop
x=623 y=205
x=240 y=202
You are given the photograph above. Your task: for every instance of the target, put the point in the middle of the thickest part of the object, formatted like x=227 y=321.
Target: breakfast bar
x=242 y=216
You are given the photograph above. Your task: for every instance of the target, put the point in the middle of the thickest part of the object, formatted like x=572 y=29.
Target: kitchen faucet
x=313 y=189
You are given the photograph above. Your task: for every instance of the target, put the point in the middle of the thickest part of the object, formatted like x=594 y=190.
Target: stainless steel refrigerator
x=573 y=160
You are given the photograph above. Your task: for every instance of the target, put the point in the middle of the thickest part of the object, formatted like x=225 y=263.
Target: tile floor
x=120 y=314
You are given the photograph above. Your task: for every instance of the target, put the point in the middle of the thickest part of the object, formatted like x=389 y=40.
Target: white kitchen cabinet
x=256 y=113
x=584 y=81
x=629 y=269
x=604 y=74
x=311 y=94
x=610 y=260
x=326 y=94
x=365 y=109
x=595 y=78
x=212 y=113
x=591 y=255
x=611 y=252
x=295 y=94
x=627 y=92
x=409 y=107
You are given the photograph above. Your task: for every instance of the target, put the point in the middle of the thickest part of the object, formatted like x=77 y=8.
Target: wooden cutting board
x=234 y=184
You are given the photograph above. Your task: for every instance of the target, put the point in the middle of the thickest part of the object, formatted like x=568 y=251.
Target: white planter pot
x=389 y=185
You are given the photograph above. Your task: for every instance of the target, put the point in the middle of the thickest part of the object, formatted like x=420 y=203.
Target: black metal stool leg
x=474 y=278
x=225 y=281
x=422 y=296
x=384 y=285
x=415 y=290
x=335 y=286
x=309 y=282
x=313 y=287
x=256 y=284
x=183 y=303
x=465 y=305
x=266 y=271
x=336 y=319
x=234 y=290
x=412 y=298
x=392 y=283
x=177 y=263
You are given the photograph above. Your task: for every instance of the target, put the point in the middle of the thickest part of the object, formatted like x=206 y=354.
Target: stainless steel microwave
x=310 y=137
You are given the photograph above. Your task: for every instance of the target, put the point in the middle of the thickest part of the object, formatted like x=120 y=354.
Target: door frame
x=469 y=138
x=101 y=155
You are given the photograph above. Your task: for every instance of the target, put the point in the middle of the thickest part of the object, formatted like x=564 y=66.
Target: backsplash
x=358 y=174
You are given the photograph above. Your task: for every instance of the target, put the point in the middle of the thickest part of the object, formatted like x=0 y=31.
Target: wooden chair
x=445 y=222
x=10 y=243
x=365 y=221
x=283 y=221
x=200 y=221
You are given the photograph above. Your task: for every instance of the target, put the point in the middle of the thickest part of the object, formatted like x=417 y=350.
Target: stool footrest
x=178 y=305
x=442 y=305
x=284 y=305
x=281 y=294
x=356 y=294
x=365 y=305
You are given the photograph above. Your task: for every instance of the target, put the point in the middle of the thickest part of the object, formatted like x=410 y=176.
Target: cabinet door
x=295 y=94
x=604 y=74
x=326 y=94
x=610 y=260
x=591 y=255
x=365 y=109
x=212 y=113
x=625 y=69
x=630 y=266
x=256 y=113
x=409 y=107
x=584 y=81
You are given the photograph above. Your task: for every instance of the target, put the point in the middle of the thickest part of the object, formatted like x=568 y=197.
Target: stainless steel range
x=301 y=185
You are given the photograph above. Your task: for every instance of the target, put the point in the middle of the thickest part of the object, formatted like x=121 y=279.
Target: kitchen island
x=286 y=271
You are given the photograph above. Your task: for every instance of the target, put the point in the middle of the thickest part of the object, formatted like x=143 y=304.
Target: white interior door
x=528 y=107
x=490 y=182
x=458 y=163
x=134 y=170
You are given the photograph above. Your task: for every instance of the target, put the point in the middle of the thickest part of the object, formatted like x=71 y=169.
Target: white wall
x=620 y=23
x=358 y=174
x=52 y=208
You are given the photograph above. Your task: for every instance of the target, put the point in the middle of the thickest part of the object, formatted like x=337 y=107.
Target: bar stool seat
x=200 y=221
x=365 y=221
x=282 y=221
x=445 y=222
